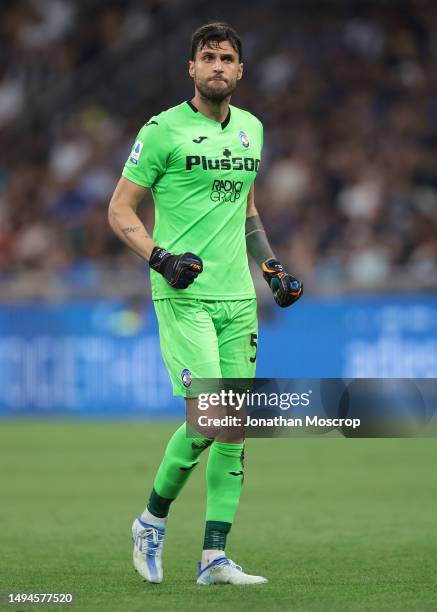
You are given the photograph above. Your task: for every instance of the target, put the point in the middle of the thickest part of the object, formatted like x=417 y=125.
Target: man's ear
x=240 y=71
x=191 y=68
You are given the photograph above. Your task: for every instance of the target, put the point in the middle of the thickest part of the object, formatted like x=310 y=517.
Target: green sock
x=224 y=477
x=180 y=457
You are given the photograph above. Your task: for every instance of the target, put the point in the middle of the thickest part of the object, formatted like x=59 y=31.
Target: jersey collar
x=223 y=124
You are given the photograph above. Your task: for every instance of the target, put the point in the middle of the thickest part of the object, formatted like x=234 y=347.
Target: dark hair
x=215 y=32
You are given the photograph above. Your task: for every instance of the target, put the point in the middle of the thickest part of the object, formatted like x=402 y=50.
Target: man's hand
x=178 y=270
x=286 y=289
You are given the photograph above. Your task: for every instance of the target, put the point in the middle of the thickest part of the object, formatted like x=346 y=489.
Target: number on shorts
x=254 y=342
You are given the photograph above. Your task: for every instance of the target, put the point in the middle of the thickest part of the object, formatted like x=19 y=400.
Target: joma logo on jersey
x=226 y=191
x=248 y=164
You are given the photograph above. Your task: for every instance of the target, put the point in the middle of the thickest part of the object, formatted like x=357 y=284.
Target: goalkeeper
x=200 y=159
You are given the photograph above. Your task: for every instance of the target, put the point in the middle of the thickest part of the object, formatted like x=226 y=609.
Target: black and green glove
x=285 y=288
x=178 y=270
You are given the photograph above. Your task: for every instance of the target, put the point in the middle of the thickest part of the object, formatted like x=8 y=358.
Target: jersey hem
x=134 y=180
x=219 y=297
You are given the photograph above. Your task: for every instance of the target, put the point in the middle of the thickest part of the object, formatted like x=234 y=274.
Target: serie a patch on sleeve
x=136 y=152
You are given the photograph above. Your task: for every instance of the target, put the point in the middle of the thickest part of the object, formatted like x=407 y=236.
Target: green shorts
x=207 y=339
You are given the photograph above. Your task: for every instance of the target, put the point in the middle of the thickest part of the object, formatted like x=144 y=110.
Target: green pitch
x=334 y=524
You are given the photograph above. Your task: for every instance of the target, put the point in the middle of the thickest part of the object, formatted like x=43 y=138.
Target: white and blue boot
x=224 y=571
x=148 y=545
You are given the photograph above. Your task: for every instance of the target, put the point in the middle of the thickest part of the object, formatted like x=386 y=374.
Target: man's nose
x=218 y=66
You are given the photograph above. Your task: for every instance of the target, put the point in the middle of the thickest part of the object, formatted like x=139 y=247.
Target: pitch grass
x=334 y=524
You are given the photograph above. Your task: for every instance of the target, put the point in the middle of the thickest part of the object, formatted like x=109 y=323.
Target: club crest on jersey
x=136 y=151
x=244 y=139
x=186 y=377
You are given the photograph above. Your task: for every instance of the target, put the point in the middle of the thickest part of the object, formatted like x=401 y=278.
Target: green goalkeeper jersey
x=200 y=172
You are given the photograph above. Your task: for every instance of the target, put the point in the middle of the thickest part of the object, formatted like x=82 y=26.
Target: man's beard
x=214 y=95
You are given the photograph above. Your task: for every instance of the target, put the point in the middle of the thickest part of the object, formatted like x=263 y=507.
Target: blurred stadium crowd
x=347 y=92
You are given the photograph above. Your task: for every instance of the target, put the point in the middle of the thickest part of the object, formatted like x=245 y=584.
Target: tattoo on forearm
x=131 y=230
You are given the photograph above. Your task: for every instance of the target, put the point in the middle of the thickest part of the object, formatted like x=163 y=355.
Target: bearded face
x=216 y=70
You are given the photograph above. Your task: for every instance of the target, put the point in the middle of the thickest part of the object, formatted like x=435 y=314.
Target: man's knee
x=214 y=423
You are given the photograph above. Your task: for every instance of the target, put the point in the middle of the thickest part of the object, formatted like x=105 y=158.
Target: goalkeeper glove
x=178 y=270
x=285 y=288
